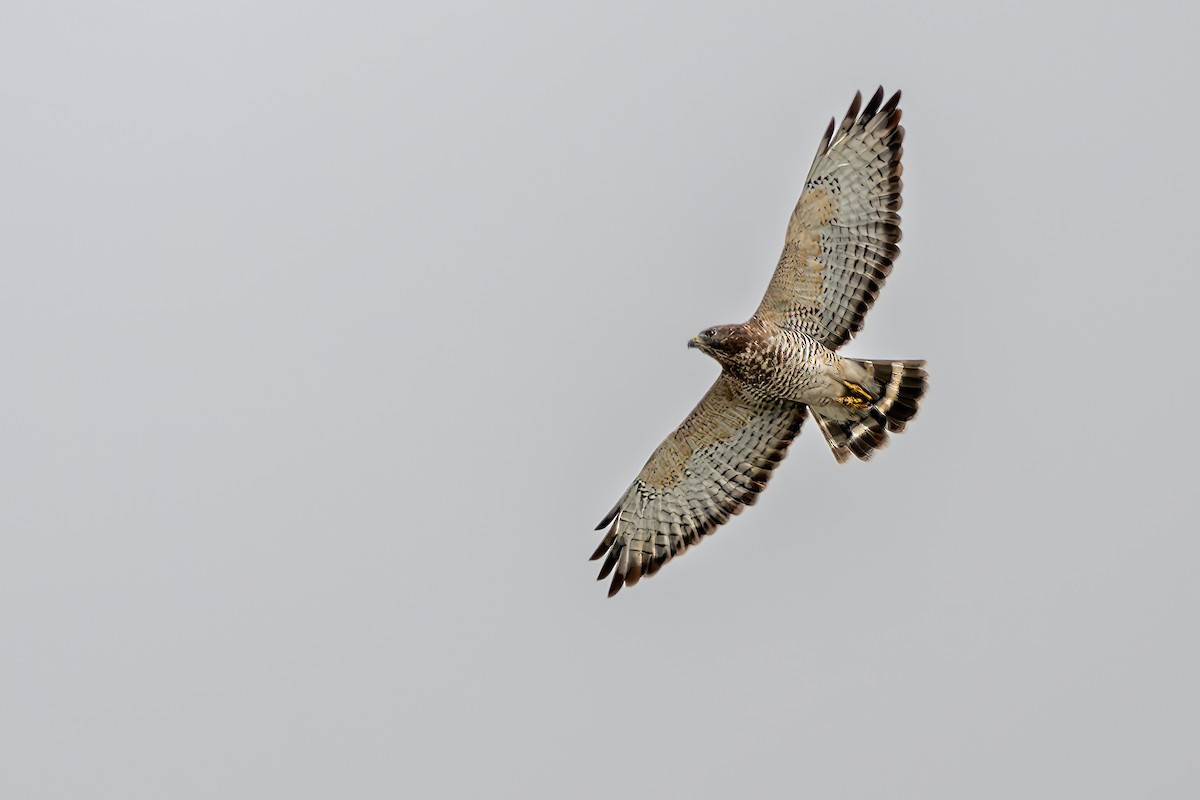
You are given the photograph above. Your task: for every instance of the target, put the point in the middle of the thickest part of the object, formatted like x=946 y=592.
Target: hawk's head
x=722 y=342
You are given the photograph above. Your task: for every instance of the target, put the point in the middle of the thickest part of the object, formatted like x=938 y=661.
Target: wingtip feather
x=609 y=517
x=872 y=105
x=892 y=104
x=855 y=105
x=607 y=567
x=827 y=138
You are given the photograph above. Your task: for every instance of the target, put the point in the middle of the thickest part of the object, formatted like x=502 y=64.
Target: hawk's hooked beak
x=694 y=342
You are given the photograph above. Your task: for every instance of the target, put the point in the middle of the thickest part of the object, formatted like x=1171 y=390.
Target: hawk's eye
x=708 y=334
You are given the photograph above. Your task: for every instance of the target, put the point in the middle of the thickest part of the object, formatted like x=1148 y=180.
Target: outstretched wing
x=841 y=240
x=714 y=463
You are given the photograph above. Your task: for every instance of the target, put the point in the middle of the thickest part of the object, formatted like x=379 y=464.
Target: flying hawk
x=840 y=246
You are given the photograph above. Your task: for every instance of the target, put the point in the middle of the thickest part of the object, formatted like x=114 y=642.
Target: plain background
x=328 y=332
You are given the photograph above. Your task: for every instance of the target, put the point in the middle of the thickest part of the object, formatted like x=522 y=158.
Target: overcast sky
x=329 y=332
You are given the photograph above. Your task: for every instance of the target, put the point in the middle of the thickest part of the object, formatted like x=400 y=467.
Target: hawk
x=783 y=362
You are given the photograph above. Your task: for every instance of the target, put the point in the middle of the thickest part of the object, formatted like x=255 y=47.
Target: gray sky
x=329 y=331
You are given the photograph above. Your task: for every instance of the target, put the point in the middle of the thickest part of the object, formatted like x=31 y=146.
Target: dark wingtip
x=892 y=102
x=609 y=517
x=601 y=550
x=605 y=543
x=855 y=105
x=617 y=582
x=873 y=104
x=608 y=565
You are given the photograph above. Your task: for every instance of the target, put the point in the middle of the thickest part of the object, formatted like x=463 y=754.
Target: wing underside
x=715 y=463
x=843 y=235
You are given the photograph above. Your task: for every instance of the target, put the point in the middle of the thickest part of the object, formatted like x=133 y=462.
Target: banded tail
x=887 y=399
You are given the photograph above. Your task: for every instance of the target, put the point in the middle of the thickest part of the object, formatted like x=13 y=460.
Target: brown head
x=722 y=342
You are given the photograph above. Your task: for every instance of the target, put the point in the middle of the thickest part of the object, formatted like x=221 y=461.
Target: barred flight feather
x=845 y=228
x=673 y=503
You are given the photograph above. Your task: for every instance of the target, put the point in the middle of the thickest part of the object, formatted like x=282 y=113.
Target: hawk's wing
x=842 y=237
x=714 y=463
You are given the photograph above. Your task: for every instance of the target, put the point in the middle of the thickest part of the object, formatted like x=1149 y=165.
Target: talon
x=858 y=398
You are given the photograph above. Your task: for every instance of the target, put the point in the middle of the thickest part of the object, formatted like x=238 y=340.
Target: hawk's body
x=840 y=245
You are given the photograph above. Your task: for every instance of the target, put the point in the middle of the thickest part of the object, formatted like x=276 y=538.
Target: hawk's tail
x=889 y=399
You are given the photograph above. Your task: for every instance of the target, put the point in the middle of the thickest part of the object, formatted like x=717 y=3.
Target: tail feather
x=896 y=389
